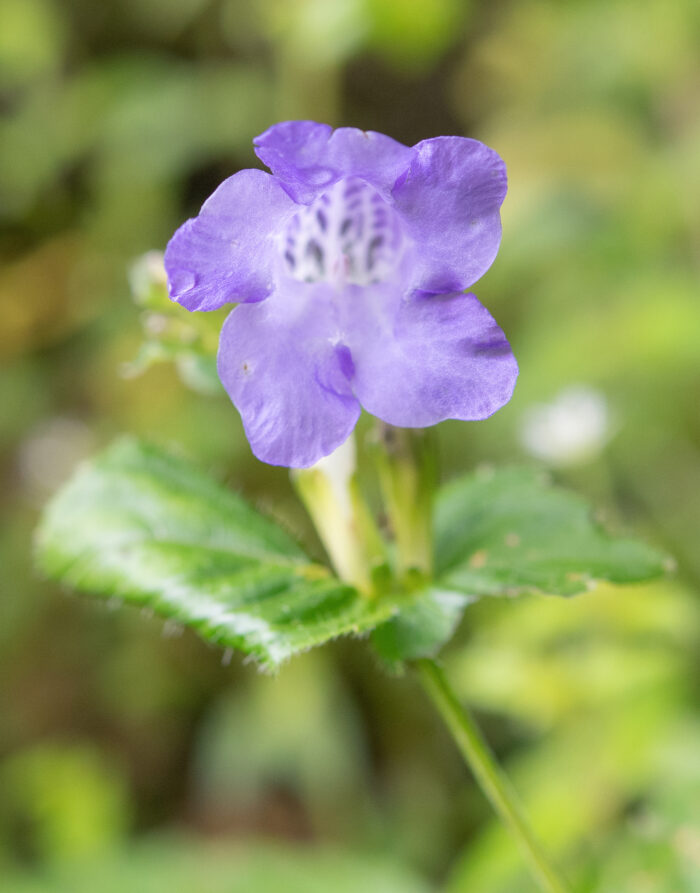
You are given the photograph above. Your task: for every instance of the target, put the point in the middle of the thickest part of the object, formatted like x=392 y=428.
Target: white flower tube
x=345 y=525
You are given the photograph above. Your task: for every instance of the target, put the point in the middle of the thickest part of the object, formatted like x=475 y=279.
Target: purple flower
x=349 y=263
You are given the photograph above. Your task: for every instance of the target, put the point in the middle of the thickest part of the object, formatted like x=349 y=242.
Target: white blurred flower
x=50 y=453
x=145 y=273
x=570 y=430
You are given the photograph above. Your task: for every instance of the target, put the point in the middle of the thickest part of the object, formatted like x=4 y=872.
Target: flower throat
x=348 y=235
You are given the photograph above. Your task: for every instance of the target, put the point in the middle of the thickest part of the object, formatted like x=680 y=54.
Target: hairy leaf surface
x=505 y=533
x=143 y=526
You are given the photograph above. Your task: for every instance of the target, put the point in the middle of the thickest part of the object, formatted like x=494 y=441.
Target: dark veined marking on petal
x=315 y=252
x=374 y=245
x=493 y=342
x=353 y=187
x=322 y=220
x=347 y=367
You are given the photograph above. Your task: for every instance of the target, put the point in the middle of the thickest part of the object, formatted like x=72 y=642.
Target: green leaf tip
x=505 y=533
x=143 y=526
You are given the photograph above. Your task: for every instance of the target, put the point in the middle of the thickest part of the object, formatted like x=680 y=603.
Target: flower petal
x=227 y=253
x=449 y=200
x=424 y=359
x=309 y=157
x=287 y=375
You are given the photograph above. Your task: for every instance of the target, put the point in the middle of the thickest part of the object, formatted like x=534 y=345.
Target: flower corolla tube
x=349 y=264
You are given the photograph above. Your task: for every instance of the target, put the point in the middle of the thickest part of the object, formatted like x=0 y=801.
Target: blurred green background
x=134 y=758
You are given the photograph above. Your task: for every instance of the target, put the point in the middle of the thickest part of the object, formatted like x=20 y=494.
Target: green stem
x=405 y=461
x=493 y=782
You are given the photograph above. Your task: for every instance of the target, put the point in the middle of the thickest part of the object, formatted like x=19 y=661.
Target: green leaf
x=182 y=864
x=421 y=626
x=507 y=532
x=140 y=525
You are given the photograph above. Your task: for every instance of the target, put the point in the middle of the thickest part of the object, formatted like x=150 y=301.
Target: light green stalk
x=331 y=494
x=405 y=460
x=491 y=778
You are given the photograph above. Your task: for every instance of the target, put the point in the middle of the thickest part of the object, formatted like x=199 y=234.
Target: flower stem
x=491 y=778
x=405 y=461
